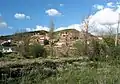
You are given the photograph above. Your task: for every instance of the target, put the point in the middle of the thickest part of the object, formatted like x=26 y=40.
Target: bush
x=109 y=41
x=113 y=51
x=37 y=51
x=115 y=55
x=97 y=50
x=46 y=42
x=1 y=54
x=80 y=48
x=96 y=47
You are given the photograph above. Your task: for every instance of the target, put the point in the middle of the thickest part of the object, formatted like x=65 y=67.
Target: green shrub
x=112 y=51
x=98 y=50
x=1 y=54
x=94 y=50
x=80 y=48
x=114 y=55
x=37 y=51
x=86 y=76
x=96 y=47
x=109 y=41
x=46 y=42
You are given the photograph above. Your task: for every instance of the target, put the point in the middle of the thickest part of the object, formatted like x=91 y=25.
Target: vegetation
x=46 y=42
x=86 y=76
x=76 y=72
x=23 y=47
x=51 y=37
x=101 y=67
x=1 y=54
x=37 y=51
x=80 y=48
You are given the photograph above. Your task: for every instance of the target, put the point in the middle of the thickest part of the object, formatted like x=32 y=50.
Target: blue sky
x=17 y=15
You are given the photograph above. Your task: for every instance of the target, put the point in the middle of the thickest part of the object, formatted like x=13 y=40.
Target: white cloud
x=110 y=4
x=98 y=7
x=28 y=29
x=27 y=17
x=105 y=18
x=3 y=24
x=61 y=5
x=118 y=9
x=99 y=22
x=21 y=16
x=118 y=3
x=52 y=12
x=73 y=26
x=37 y=28
x=10 y=27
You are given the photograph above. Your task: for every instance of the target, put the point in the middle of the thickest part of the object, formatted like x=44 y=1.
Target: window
x=63 y=35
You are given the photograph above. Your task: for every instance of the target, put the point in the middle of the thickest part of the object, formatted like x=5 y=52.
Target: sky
x=32 y=15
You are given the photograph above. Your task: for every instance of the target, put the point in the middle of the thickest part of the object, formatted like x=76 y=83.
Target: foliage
x=109 y=41
x=46 y=42
x=1 y=54
x=112 y=51
x=95 y=47
x=115 y=51
x=114 y=55
x=104 y=74
x=51 y=36
x=23 y=46
x=37 y=50
x=80 y=48
x=51 y=32
x=94 y=50
x=86 y=75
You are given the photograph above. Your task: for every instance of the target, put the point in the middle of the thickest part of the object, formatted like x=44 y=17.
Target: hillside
x=41 y=32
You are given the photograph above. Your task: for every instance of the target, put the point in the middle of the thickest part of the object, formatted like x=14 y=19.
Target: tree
x=46 y=42
x=79 y=48
x=1 y=54
x=117 y=30
x=37 y=50
x=51 y=36
x=86 y=25
x=23 y=45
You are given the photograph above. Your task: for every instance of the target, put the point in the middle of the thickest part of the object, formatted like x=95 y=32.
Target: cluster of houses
x=65 y=37
x=5 y=46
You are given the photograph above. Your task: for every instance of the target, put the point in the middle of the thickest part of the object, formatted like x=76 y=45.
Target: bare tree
x=51 y=36
x=116 y=38
x=22 y=45
x=86 y=26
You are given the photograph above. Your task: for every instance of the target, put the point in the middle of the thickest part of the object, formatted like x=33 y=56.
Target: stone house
x=38 y=38
x=68 y=37
x=5 y=46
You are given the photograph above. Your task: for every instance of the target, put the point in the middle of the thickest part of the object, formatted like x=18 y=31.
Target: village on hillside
x=62 y=38
x=59 y=42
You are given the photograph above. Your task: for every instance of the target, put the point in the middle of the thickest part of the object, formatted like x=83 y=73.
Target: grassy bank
x=74 y=73
x=86 y=75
